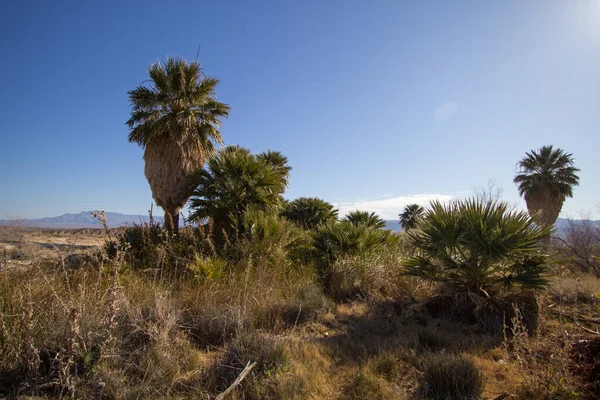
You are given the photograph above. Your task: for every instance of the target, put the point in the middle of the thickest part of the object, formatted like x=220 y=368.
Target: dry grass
x=102 y=329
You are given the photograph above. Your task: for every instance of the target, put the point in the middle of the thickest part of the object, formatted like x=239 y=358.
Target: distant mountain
x=562 y=224
x=83 y=219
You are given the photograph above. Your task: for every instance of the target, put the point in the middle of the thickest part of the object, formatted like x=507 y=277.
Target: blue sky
x=375 y=104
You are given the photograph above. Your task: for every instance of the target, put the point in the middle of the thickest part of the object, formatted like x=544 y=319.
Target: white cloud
x=445 y=111
x=389 y=208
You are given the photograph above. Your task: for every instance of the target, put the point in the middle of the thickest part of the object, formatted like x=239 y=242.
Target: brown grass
x=101 y=329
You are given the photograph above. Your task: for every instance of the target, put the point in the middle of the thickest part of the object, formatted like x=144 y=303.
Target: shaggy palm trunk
x=168 y=167
x=172 y=221
x=543 y=207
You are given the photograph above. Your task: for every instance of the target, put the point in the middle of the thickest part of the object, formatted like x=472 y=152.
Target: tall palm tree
x=366 y=218
x=411 y=215
x=175 y=118
x=545 y=179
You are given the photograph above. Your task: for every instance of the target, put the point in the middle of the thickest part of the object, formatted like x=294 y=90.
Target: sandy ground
x=19 y=247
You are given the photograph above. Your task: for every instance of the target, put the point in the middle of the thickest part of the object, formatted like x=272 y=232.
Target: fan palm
x=545 y=179
x=175 y=118
x=366 y=218
x=476 y=246
x=309 y=212
x=235 y=180
x=411 y=215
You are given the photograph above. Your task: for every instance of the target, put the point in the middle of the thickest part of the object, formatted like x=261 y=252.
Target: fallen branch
x=237 y=381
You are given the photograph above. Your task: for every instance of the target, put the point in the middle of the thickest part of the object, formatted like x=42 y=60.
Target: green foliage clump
x=366 y=218
x=450 y=377
x=410 y=216
x=478 y=247
x=234 y=181
x=309 y=212
x=265 y=239
x=334 y=239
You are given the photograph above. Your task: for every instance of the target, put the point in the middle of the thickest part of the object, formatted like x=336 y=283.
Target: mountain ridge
x=85 y=219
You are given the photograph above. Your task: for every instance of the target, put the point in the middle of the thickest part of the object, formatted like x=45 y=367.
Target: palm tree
x=478 y=247
x=234 y=181
x=309 y=212
x=175 y=118
x=411 y=215
x=366 y=218
x=545 y=179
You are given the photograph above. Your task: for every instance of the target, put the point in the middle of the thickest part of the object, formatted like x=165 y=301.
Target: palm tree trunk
x=172 y=221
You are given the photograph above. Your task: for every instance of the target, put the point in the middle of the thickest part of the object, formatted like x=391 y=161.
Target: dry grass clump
x=373 y=275
x=269 y=357
x=449 y=377
x=575 y=288
x=491 y=314
x=544 y=362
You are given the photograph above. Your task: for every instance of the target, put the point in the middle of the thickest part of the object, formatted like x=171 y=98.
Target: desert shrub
x=544 y=362
x=309 y=212
x=268 y=353
x=266 y=240
x=366 y=385
x=575 y=288
x=55 y=325
x=145 y=245
x=448 y=377
x=491 y=314
x=477 y=247
x=370 y=274
x=332 y=240
x=582 y=244
x=366 y=218
x=335 y=240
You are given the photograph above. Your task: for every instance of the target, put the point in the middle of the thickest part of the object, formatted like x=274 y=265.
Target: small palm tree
x=478 y=247
x=365 y=218
x=309 y=212
x=545 y=179
x=234 y=180
x=175 y=118
x=411 y=215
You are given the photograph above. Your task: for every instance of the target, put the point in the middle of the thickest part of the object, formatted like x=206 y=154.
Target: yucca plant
x=481 y=247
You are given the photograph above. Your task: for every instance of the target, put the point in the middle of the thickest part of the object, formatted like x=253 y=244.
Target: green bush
x=335 y=239
x=266 y=241
x=309 y=212
x=478 y=247
x=371 y=220
x=450 y=377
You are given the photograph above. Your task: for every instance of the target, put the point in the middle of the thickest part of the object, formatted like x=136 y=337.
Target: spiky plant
x=365 y=218
x=410 y=216
x=234 y=180
x=309 y=212
x=337 y=238
x=480 y=247
x=545 y=179
x=175 y=118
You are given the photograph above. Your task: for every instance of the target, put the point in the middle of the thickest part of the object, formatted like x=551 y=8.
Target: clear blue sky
x=372 y=101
